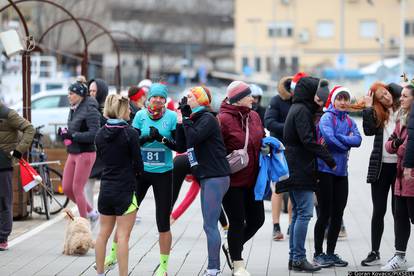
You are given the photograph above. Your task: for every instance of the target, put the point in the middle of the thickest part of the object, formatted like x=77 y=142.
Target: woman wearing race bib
x=156 y=126
x=199 y=135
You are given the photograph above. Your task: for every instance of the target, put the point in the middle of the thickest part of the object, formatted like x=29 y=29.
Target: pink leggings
x=75 y=175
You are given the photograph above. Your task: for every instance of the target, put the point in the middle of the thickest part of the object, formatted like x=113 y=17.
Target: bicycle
x=44 y=199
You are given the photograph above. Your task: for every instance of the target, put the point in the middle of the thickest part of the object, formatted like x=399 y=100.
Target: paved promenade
x=41 y=253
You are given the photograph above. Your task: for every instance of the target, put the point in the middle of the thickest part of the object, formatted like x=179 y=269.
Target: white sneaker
x=239 y=269
x=209 y=272
x=395 y=263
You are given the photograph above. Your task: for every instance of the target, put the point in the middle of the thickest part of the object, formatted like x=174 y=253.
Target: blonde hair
x=116 y=106
x=81 y=79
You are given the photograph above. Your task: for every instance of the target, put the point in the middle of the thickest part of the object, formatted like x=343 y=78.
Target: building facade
x=278 y=37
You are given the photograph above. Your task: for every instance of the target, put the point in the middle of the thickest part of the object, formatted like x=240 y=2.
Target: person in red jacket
x=245 y=214
x=404 y=185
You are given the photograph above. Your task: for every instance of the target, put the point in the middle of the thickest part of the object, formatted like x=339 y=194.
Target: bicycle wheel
x=46 y=204
x=55 y=187
x=44 y=208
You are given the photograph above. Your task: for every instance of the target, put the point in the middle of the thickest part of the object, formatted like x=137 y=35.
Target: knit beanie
x=323 y=90
x=295 y=80
x=237 y=90
x=79 y=88
x=202 y=95
x=334 y=92
x=158 y=89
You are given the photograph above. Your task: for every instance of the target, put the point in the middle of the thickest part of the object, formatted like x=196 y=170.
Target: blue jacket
x=273 y=167
x=339 y=133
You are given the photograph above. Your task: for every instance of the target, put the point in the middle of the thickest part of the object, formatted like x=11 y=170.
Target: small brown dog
x=78 y=235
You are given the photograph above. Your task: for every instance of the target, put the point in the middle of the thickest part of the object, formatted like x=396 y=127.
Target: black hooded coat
x=101 y=94
x=299 y=135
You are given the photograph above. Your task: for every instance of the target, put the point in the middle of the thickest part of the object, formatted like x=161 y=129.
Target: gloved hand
x=265 y=150
x=184 y=107
x=397 y=142
x=155 y=134
x=16 y=154
x=64 y=134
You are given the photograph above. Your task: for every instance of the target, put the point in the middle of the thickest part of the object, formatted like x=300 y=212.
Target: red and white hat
x=29 y=176
x=334 y=92
x=296 y=79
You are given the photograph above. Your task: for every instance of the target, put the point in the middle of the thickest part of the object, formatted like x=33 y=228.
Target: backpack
x=319 y=138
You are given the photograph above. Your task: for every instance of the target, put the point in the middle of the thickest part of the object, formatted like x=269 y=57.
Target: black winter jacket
x=83 y=123
x=300 y=140
x=275 y=116
x=409 y=152
x=101 y=94
x=370 y=128
x=278 y=109
x=261 y=111
x=203 y=133
x=118 y=148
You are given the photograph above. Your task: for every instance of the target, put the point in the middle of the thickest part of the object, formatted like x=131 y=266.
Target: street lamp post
x=25 y=66
x=254 y=21
x=402 y=36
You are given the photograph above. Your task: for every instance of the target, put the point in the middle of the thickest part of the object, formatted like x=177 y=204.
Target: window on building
x=282 y=64
x=295 y=64
x=368 y=28
x=280 y=29
x=409 y=28
x=325 y=29
x=245 y=62
x=257 y=64
x=269 y=64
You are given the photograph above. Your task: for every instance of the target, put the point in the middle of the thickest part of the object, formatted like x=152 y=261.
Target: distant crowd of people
x=128 y=144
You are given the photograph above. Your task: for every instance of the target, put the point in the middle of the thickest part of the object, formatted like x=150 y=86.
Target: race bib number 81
x=153 y=156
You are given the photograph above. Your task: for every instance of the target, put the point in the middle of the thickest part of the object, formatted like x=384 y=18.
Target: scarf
x=155 y=112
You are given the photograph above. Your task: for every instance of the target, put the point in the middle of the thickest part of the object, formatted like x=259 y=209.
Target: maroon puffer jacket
x=403 y=186
x=234 y=135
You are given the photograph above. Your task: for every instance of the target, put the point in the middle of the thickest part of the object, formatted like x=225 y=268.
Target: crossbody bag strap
x=246 y=142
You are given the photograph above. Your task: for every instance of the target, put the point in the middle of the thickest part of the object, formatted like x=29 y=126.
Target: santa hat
x=334 y=92
x=29 y=176
x=295 y=80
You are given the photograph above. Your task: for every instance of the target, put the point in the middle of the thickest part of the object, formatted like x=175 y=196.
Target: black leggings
x=404 y=212
x=246 y=216
x=181 y=169
x=332 y=195
x=162 y=187
x=379 y=194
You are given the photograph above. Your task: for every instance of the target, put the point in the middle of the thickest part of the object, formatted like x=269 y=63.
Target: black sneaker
x=226 y=252
x=305 y=266
x=323 y=260
x=290 y=265
x=373 y=258
x=337 y=260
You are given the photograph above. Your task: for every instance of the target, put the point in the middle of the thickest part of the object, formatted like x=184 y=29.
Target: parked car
x=49 y=108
